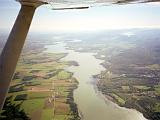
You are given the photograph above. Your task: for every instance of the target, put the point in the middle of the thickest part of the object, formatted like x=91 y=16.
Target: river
x=91 y=105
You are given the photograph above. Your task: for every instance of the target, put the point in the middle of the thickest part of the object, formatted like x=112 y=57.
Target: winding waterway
x=91 y=105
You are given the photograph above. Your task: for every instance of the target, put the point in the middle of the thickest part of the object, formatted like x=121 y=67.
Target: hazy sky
x=95 y=18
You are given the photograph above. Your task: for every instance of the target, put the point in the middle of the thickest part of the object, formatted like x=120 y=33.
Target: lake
x=91 y=104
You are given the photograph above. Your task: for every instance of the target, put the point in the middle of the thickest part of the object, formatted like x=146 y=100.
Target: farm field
x=41 y=86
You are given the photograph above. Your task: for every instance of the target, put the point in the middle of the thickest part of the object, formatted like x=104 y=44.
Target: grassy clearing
x=157 y=88
x=63 y=91
x=119 y=99
x=64 y=75
x=141 y=87
x=31 y=105
x=157 y=107
x=47 y=114
x=34 y=95
x=60 y=117
x=154 y=67
x=125 y=87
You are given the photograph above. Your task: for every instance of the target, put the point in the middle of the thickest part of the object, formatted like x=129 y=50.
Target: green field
x=39 y=79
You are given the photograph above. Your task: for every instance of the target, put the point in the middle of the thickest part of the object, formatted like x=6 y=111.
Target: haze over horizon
x=94 y=18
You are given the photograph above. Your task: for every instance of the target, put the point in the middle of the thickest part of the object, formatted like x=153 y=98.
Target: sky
x=94 y=18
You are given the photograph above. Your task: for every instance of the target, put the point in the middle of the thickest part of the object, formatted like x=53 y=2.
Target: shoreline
x=112 y=100
x=107 y=97
x=70 y=98
x=73 y=106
